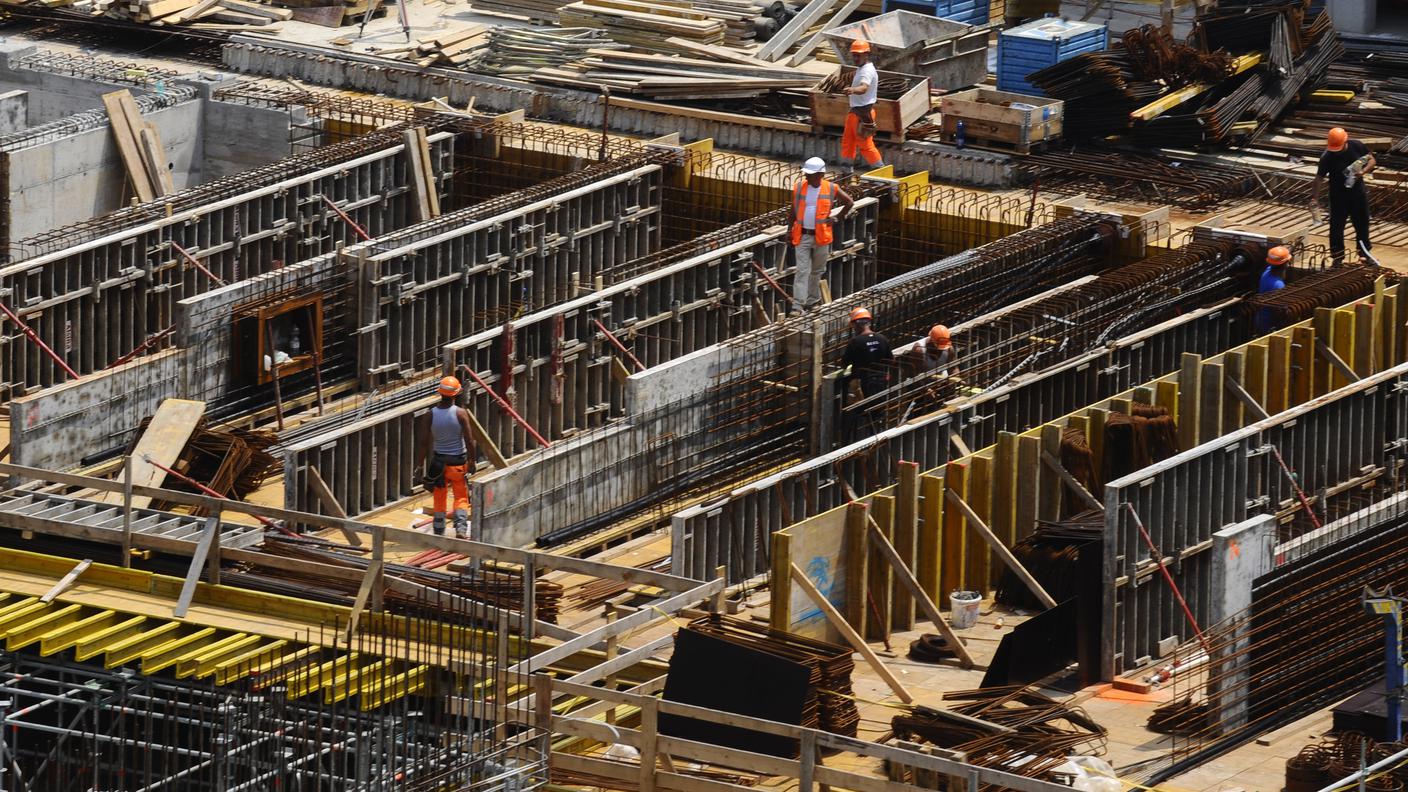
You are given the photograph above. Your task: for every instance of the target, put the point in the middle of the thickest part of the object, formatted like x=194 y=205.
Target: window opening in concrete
x=278 y=339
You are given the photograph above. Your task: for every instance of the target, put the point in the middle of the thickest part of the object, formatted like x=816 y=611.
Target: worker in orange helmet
x=444 y=434
x=1345 y=163
x=860 y=121
x=813 y=198
x=868 y=357
x=1272 y=279
x=934 y=354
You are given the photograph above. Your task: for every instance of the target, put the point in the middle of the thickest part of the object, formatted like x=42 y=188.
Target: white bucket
x=963 y=608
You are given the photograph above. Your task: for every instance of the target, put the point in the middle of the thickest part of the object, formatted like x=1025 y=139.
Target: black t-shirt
x=1334 y=163
x=869 y=357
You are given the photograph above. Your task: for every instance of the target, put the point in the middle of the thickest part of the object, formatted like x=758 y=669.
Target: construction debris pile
x=1014 y=728
x=231 y=462
x=1247 y=69
x=199 y=14
x=663 y=77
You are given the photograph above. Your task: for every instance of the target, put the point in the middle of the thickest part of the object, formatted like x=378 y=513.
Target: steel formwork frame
x=556 y=368
x=733 y=531
x=97 y=302
x=1350 y=438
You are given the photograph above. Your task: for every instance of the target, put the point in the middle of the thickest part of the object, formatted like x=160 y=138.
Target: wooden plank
x=1096 y=438
x=323 y=492
x=370 y=581
x=1189 y=391
x=1025 y=487
x=1254 y=409
x=416 y=176
x=1391 y=355
x=486 y=443
x=906 y=578
x=1325 y=378
x=906 y=534
x=783 y=39
x=803 y=53
x=780 y=606
x=66 y=581
x=325 y=16
x=1303 y=366
x=1255 y=363
x=208 y=538
x=979 y=566
x=998 y=547
x=954 y=541
x=1363 y=343
x=851 y=636
x=1278 y=374
x=1004 y=488
x=1048 y=504
x=182 y=17
x=1074 y=486
x=857 y=567
x=1232 y=364
x=1343 y=373
x=882 y=513
x=154 y=159
x=162 y=442
x=258 y=9
x=929 y=542
x=128 y=146
x=1209 y=401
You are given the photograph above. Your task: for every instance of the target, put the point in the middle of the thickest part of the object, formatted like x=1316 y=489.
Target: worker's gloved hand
x=846 y=372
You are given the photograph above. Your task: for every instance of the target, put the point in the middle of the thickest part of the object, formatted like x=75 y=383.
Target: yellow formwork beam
x=231 y=670
x=166 y=654
x=23 y=634
x=1166 y=103
x=69 y=636
x=389 y=689
x=311 y=680
x=130 y=648
x=348 y=683
x=203 y=661
x=105 y=639
x=259 y=658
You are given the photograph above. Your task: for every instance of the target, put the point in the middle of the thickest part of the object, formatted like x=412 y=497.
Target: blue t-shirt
x=1270 y=281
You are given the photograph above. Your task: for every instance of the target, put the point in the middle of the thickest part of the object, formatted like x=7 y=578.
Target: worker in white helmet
x=812 y=200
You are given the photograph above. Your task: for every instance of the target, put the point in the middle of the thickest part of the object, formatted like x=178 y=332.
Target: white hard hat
x=814 y=165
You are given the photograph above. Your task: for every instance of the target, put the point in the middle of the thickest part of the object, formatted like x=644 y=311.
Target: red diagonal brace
x=614 y=340
x=195 y=263
x=142 y=346
x=39 y=342
x=508 y=408
x=770 y=280
x=1159 y=560
x=349 y=221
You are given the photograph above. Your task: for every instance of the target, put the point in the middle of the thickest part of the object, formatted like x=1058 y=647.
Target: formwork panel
x=121 y=290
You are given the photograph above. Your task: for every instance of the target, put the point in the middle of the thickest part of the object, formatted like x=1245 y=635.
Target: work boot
x=461 y=524
x=437 y=523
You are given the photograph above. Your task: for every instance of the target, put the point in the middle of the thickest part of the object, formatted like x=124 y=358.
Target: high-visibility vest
x=823 y=211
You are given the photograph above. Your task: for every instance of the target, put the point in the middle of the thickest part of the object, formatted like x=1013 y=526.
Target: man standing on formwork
x=860 y=121
x=1345 y=163
x=444 y=431
x=812 y=200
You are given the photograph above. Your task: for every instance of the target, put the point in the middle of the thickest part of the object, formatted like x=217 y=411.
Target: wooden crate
x=892 y=116
x=1001 y=119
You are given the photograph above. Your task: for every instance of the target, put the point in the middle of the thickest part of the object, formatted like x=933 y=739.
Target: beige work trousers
x=811 y=268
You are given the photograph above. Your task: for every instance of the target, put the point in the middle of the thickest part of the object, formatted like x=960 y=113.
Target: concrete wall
x=53 y=96
x=59 y=426
x=1240 y=554
x=239 y=137
x=81 y=176
x=14 y=111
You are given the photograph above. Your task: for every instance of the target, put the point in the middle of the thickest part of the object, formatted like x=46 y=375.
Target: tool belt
x=867 y=126
x=435 y=470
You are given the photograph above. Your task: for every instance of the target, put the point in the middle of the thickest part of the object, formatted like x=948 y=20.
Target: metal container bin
x=951 y=54
x=1040 y=43
x=972 y=12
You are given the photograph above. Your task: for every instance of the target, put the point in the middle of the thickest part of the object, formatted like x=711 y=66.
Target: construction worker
x=444 y=431
x=865 y=85
x=1272 y=279
x=868 y=356
x=934 y=354
x=812 y=199
x=1345 y=163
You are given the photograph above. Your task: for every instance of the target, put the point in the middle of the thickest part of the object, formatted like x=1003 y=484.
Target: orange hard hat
x=448 y=386
x=1278 y=256
x=860 y=45
x=858 y=314
x=1336 y=139
x=939 y=337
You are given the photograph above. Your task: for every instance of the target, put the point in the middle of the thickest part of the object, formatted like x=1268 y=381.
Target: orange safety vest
x=823 y=211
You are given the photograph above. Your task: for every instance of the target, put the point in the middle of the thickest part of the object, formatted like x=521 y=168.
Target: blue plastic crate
x=969 y=12
x=1043 y=42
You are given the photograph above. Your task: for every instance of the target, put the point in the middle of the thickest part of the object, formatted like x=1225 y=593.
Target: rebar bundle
x=1052 y=554
x=1320 y=289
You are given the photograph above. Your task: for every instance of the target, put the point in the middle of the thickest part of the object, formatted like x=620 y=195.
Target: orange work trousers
x=851 y=139
x=455 y=479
